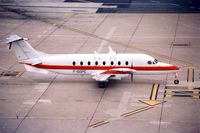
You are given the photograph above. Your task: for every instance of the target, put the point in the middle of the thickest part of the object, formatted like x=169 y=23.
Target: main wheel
x=102 y=84
x=176 y=81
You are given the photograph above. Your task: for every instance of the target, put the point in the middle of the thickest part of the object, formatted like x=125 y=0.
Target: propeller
x=132 y=72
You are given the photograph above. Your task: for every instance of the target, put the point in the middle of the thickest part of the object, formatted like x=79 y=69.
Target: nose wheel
x=176 y=81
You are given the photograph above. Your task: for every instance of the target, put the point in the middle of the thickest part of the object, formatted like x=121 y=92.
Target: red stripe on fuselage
x=137 y=68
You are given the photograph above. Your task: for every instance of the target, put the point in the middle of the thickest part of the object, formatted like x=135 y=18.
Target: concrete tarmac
x=31 y=102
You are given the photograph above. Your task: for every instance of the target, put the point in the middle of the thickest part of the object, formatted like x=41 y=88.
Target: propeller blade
x=131 y=77
x=131 y=73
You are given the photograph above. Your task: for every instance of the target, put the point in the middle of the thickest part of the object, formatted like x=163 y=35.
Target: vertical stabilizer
x=22 y=48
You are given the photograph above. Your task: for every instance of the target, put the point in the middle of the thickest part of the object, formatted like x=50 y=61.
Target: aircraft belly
x=153 y=72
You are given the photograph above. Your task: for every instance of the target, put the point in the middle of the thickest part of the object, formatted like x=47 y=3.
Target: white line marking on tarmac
x=122 y=107
x=49 y=28
x=44 y=101
x=41 y=87
x=124 y=101
x=158 y=122
x=108 y=36
x=39 y=36
x=28 y=103
x=45 y=31
x=5 y=77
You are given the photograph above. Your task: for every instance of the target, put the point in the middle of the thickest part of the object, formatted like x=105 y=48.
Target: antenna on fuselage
x=111 y=51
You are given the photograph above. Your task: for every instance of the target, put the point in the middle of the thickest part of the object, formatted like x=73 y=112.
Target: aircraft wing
x=116 y=73
x=102 y=77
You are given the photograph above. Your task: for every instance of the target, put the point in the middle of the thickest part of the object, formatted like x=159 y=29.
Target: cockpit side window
x=155 y=61
x=149 y=62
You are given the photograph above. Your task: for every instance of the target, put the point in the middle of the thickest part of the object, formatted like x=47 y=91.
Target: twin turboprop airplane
x=101 y=66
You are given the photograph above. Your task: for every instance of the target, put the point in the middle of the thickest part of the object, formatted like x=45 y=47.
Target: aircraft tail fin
x=22 y=48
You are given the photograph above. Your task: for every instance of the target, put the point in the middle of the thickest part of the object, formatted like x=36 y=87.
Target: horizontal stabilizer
x=33 y=62
x=14 y=38
x=22 y=48
x=34 y=69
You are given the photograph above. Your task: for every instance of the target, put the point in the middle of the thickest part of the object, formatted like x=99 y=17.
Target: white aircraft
x=101 y=66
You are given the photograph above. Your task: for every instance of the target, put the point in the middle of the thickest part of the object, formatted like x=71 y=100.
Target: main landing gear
x=176 y=81
x=103 y=84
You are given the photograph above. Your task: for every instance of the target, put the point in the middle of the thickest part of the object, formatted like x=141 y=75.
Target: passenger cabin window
x=89 y=63
x=74 y=63
x=96 y=63
x=119 y=63
x=126 y=63
x=111 y=63
x=104 y=63
x=81 y=63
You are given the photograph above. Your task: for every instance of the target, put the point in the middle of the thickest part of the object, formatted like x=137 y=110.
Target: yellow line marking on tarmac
x=10 y=73
x=77 y=5
x=50 y=27
x=154 y=91
x=195 y=95
x=153 y=97
x=151 y=102
x=19 y=74
x=191 y=89
x=66 y=14
x=168 y=93
x=136 y=111
x=97 y=124
x=39 y=36
x=44 y=32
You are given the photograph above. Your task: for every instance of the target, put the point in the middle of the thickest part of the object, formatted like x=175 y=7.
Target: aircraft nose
x=176 y=68
x=171 y=67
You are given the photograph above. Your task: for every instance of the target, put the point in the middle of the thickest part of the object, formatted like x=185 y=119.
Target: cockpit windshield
x=155 y=61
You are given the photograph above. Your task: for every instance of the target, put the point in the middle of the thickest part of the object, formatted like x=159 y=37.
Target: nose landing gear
x=176 y=81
